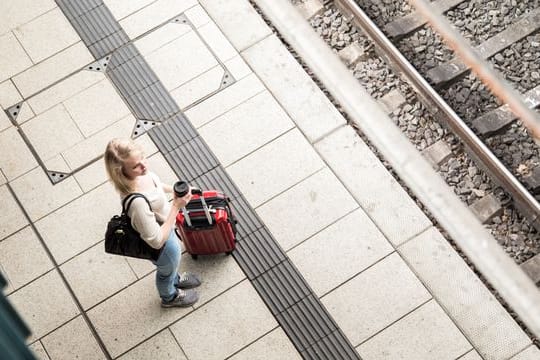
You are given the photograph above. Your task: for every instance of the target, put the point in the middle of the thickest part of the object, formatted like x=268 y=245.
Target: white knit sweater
x=147 y=222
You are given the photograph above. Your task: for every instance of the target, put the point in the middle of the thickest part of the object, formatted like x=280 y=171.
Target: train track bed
x=469 y=98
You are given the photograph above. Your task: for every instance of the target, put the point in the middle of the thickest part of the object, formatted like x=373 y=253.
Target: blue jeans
x=167 y=267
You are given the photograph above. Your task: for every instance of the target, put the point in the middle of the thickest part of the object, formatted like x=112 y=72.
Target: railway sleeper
x=486 y=208
x=532 y=181
x=497 y=120
x=437 y=153
x=392 y=101
x=532 y=268
x=352 y=54
x=448 y=71
x=310 y=8
x=405 y=25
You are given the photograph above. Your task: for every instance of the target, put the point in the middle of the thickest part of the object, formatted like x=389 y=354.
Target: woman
x=128 y=171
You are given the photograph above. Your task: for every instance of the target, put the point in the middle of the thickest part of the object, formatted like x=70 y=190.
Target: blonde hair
x=116 y=154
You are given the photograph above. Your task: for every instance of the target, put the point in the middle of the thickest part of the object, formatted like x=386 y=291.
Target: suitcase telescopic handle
x=197 y=191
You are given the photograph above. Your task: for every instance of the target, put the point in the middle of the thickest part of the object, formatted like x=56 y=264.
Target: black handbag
x=122 y=239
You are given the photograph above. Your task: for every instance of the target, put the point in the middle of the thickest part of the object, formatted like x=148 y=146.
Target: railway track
x=502 y=184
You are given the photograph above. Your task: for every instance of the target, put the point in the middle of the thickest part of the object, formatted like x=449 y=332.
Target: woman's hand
x=182 y=202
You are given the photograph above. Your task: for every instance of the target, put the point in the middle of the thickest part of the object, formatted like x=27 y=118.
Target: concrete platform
x=388 y=281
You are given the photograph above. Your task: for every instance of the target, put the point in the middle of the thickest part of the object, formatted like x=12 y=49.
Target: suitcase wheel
x=194 y=256
x=228 y=253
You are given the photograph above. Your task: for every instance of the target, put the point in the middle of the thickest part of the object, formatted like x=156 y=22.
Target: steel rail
x=479 y=246
x=523 y=200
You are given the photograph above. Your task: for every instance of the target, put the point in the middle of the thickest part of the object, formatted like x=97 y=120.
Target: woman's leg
x=167 y=268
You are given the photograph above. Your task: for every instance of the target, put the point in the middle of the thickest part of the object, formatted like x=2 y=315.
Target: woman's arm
x=167 y=188
x=176 y=204
x=144 y=220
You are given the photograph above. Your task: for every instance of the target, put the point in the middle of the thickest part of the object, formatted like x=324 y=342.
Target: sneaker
x=184 y=298
x=187 y=280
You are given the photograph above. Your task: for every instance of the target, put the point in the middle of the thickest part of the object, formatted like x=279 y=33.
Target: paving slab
x=89 y=275
x=471 y=355
x=14 y=59
x=8 y=289
x=46 y=35
x=12 y=218
x=530 y=353
x=3 y=179
x=478 y=314
x=218 y=274
x=92 y=147
x=40 y=197
x=273 y=346
x=197 y=89
x=310 y=198
x=52 y=132
x=197 y=16
x=153 y=15
x=238 y=20
x=4 y=121
x=339 y=252
x=275 y=167
x=225 y=100
x=15 y=157
x=51 y=305
x=128 y=318
x=57 y=163
x=96 y=107
x=174 y=66
x=39 y=351
x=147 y=144
x=249 y=126
x=425 y=334
x=141 y=267
x=237 y=67
x=66 y=241
x=218 y=43
x=161 y=346
x=375 y=299
x=158 y=165
x=53 y=69
x=65 y=89
x=73 y=340
x=377 y=192
x=305 y=103
x=14 y=13
x=122 y=8
x=161 y=36
x=23 y=258
x=91 y=176
x=9 y=95
x=226 y=321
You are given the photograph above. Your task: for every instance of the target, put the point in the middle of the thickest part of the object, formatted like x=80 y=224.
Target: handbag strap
x=132 y=197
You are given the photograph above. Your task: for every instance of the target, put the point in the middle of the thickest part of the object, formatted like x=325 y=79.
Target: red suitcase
x=206 y=225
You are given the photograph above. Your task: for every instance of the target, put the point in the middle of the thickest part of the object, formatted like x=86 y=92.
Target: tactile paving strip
x=286 y=293
x=95 y=24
